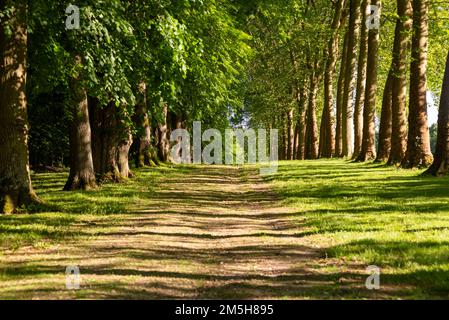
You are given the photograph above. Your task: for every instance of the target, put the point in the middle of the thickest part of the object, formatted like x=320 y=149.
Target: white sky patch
x=432 y=109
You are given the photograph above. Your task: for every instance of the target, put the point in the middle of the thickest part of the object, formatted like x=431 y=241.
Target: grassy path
x=363 y=214
x=307 y=232
x=215 y=232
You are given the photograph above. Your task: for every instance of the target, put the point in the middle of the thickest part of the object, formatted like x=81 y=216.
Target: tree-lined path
x=309 y=231
x=217 y=233
x=96 y=97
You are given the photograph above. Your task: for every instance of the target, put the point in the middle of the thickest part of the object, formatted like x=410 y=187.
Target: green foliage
x=190 y=54
x=287 y=36
x=280 y=28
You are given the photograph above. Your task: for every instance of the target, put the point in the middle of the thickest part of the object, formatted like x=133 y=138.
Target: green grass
x=66 y=216
x=358 y=214
x=372 y=214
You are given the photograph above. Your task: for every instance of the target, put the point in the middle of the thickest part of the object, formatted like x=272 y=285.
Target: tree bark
x=440 y=165
x=361 y=83
x=296 y=142
x=311 y=151
x=82 y=175
x=418 y=143
x=15 y=182
x=384 y=146
x=290 y=134
x=324 y=133
x=179 y=124
x=350 y=78
x=163 y=143
x=283 y=120
x=340 y=91
x=399 y=85
x=105 y=142
x=112 y=140
x=368 y=151
x=123 y=155
x=327 y=132
x=301 y=98
x=156 y=144
x=142 y=123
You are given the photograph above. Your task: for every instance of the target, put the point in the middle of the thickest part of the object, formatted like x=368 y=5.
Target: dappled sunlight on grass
x=220 y=232
x=71 y=215
x=373 y=214
x=184 y=232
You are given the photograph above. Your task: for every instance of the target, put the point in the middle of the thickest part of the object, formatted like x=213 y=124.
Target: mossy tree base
x=12 y=201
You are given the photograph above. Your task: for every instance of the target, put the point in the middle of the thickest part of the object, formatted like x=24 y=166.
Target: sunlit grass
x=66 y=216
x=373 y=214
x=357 y=214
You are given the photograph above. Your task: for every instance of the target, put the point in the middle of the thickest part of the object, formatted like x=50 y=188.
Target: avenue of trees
x=114 y=87
x=344 y=87
x=104 y=95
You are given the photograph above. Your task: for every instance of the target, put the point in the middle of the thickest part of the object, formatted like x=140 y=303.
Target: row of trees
x=112 y=89
x=327 y=60
x=131 y=72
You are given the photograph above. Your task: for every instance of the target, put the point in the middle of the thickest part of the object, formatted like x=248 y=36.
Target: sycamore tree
x=120 y=72
x=15 y=182
x=292 y=40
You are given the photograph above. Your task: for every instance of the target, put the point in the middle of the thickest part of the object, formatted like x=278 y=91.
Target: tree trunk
x=15 y=181
x=105 y=142
x=351 y=62
x=109 y=169
x=311 y=126
x=418 y=143
x=96 y=119
x=142 y=123
x=179 y=125
x=164 y=143
x=324 y=133
x=368 y=151
x=299 y=91
x=361 y=82
x=399 y=85
x=340 y=91
x=327 y=132
x=301 y=98
x=296 y=142
x=155 y=147
x=283 y=121
x=385 y=122
x=82 y=175
x=123 y=156
x=440 y=165
x=290 y=134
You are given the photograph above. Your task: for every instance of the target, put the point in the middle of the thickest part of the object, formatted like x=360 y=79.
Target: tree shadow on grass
x=127 y=270
x=368 y=182
x=423 y=265
x=215 y=277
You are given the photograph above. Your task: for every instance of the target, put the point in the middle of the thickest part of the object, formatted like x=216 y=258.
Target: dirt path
x=219 y=234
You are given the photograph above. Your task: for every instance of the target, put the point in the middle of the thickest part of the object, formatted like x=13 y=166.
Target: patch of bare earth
x=220 y=233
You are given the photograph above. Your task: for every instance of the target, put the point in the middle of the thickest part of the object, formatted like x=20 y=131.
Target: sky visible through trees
x=96 y=89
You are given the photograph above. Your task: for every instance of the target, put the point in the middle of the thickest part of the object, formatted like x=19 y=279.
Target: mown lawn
x=370 y=214
x=66 y=216
x=356 y=214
